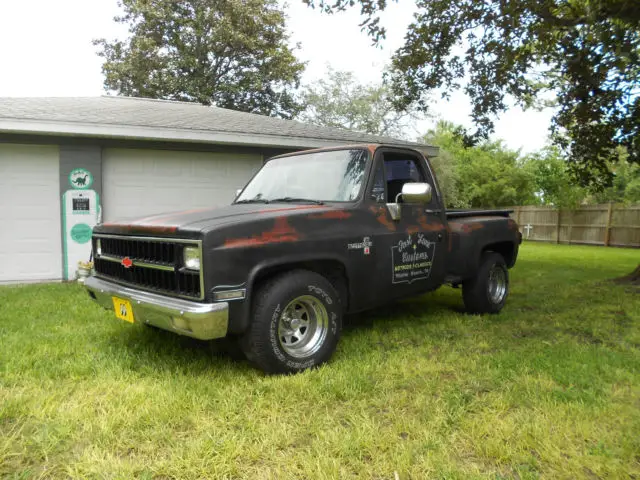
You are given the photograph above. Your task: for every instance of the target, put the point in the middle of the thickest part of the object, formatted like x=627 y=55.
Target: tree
x=486 y=175
x=587 y=52
x=228 y=53
x=340 y=101
x=555 y=185
x=553 y=182
x=448 y=178
x=625 y=187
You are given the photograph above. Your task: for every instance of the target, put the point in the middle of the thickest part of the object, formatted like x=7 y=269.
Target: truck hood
x=197 y=221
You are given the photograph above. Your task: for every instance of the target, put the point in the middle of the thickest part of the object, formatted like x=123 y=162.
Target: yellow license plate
x=123 y=309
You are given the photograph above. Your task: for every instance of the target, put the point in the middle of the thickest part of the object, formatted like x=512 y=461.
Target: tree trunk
x=632 y=279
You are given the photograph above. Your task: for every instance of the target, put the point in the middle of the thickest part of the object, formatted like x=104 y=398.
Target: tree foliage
x=482 y=176
x=446 y=171
x=228 y=53
x=553 y=183
x=625 y=187
x=340 y=101
x=489 y=175
x=587 y=52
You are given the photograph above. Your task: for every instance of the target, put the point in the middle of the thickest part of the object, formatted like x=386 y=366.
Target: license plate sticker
x=123 y=309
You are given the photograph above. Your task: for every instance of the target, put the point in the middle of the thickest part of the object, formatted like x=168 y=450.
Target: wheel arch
x=334 y=269
x=506 y=249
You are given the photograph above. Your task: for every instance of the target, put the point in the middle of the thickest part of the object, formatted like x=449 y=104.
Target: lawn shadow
x=428 y=305
x=168 y=351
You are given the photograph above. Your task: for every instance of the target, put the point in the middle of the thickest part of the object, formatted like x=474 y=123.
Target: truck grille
x=155 y=264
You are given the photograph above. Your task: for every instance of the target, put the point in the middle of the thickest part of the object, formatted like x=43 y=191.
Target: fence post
x=607 y=232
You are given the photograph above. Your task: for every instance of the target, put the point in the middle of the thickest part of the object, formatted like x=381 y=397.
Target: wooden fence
x=608 y=224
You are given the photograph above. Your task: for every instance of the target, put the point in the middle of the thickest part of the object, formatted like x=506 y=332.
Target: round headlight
x=192 y=258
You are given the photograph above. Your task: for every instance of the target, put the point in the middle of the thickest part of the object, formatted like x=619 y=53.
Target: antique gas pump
x=81 y=212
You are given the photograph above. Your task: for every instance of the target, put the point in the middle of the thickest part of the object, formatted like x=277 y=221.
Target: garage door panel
x=30 y=245
x=32 y=226
x=167 y=169
x=144 y=182
x=22 y=267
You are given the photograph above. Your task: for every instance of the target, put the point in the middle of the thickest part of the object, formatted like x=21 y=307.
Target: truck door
x=410 y=251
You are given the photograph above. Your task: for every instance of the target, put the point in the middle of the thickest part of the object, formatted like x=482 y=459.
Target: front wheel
x=296 y=323
x=487 y=292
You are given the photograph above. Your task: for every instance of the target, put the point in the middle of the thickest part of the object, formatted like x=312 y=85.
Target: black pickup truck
x=313 y=236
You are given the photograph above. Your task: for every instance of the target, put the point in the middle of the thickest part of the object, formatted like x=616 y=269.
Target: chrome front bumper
x=204 y=321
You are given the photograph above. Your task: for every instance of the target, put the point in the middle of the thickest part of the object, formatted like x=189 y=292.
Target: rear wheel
x=296 y=323
x=487 y=292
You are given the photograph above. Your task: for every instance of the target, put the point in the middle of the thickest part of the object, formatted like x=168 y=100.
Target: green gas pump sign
x=81 y=233
x=80 y=179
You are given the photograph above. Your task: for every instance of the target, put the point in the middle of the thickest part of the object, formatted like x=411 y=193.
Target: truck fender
x=241 y=316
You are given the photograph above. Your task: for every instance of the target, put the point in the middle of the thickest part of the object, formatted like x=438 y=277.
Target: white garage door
x=136 y=183
x=29 y=213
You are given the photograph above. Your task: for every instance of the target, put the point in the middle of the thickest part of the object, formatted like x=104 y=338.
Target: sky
x=46 y=50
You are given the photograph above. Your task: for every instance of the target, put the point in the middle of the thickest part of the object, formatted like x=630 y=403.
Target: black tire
x=275 y=307
x=480 y=293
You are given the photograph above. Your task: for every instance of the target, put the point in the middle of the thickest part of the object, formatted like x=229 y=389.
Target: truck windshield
x=330 y=176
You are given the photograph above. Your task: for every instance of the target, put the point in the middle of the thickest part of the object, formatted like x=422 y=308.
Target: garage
x=140 y=182
x=30 y=239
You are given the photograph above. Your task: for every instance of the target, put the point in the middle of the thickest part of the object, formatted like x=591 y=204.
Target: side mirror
x=411 y=193
x=416 y=193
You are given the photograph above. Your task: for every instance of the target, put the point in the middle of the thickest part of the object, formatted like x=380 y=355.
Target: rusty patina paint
x=383 y=217
x=280 y=233
x=156 y=223
x=371 y=147
x=135 y=228
x=466 y=228
x=288 y=209
x=425 y=224
x=155 y=228
x=331 y=215
x=158 y=220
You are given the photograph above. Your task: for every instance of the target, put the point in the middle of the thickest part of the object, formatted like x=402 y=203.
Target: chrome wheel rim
x=303 y=326
x=497 y=284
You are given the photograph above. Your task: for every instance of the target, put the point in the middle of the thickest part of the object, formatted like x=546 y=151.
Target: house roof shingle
x=138 y=118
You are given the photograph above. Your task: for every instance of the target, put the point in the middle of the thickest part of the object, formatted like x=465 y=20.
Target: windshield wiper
x=252 y=200
x=296 y=200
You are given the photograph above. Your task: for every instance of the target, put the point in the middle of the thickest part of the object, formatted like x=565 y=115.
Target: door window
x=401 y=169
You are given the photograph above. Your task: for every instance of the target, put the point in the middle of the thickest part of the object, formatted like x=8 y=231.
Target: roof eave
x=133 y=132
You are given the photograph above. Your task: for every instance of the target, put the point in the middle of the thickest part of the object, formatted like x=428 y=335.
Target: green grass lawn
x=549 y=388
